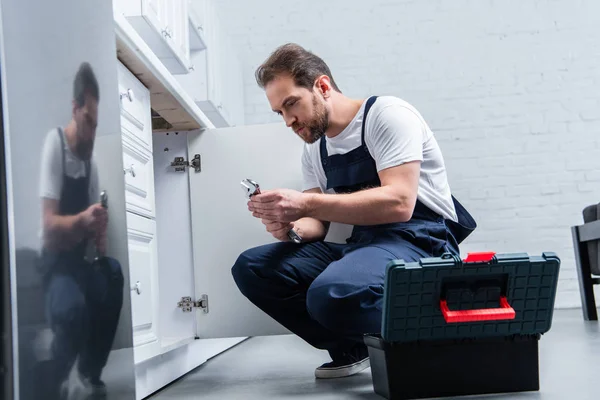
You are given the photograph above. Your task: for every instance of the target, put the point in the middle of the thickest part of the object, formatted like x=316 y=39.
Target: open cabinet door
x=222 y=226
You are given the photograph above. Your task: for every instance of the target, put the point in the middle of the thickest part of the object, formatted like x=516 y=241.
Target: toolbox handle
x=505 y=312
x=478 y=257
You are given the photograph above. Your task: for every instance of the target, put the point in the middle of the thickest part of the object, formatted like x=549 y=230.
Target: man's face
x=86 y=119
x=302 y=110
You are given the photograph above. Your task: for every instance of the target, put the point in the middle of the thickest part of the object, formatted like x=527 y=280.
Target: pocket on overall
x=427 y=236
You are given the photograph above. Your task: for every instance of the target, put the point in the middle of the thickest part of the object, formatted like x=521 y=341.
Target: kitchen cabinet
x=216 y=81
x=138 y=173
x=164 y=26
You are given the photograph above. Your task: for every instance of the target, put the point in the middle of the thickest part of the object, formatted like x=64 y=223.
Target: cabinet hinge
x=187 y=304
x=181 y=164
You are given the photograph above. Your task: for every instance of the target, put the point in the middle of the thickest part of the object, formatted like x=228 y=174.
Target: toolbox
x=453 y=327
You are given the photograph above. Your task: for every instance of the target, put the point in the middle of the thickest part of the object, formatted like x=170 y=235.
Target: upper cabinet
x=215 y=82
x=164 y=26
x=190 y=40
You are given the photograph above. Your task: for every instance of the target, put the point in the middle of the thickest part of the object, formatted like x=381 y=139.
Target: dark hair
x=293 y=60
x=85 y=83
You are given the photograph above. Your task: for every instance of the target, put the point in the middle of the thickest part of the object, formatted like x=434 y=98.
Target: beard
x=84 y=149
x=316 y=128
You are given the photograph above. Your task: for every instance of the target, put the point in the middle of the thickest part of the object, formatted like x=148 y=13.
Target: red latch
x=485 y=314
x=485 y=256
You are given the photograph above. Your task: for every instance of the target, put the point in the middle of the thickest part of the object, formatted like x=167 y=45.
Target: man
x=374 y=164
x=83 y=298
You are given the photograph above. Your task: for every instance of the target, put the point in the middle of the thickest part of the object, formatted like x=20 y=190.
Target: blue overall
x=331 y=294
x=83 y=299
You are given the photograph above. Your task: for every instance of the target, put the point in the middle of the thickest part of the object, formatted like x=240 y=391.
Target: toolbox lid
x=484 y=295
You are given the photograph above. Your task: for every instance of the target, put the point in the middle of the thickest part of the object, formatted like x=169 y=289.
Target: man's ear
x=74 y=103
x=323 y=85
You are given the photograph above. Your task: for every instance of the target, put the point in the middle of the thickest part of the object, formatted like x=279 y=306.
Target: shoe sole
x=344 y=371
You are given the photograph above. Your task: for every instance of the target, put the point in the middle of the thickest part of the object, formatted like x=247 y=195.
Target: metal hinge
x=187 y=304
x=181 y=164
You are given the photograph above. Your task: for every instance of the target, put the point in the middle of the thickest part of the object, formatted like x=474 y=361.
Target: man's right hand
x=279 y=230
x=95 y=219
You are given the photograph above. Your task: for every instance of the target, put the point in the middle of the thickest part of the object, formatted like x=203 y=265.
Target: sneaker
x=346 y=364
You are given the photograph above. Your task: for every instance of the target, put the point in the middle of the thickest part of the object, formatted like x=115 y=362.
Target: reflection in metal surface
x=6 y=364
x=83 y=288
x=72 y=336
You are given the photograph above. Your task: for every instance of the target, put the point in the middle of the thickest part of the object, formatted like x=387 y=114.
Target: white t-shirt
x=51 y=177
x=395 y=133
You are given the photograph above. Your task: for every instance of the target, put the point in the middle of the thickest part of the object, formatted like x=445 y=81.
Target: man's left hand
x=283 y=205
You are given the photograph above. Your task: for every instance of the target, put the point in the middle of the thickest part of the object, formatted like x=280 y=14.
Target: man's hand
x=95 y=220
x=279 y=230
x=283 y=205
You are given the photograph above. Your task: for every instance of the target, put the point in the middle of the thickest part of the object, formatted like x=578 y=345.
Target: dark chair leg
x=584 y=273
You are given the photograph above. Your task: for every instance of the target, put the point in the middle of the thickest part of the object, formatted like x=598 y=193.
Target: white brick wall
x=510 y=87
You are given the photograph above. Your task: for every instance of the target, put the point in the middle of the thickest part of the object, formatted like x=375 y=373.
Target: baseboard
x=156 y=373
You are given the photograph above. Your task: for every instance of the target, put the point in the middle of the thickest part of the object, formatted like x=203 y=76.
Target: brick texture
x=510 y=89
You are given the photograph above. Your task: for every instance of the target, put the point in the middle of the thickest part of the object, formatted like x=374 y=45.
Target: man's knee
x=67 y=305
x=115 y=272
x=257 y=269
x=243 y=273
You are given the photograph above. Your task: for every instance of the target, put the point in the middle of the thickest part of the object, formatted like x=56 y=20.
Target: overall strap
x=323 y=143
x=323 y=150
x=370 y=102
x=87 y=163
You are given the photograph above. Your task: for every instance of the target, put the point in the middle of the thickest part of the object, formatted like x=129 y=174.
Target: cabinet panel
x=139 y=179
x=135 y=107
x=141 y=237
x=163 y=24
x=216 y=83
x=196 y=25
x=178 y=19
x=218 y=214
x=154 y=12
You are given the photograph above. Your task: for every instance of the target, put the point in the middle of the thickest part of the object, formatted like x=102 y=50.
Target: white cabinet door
x=181 y=27
x=164 y=26
x=222 y=226
x=139 y=179
x=196 y=25
x=143 y=276
x=153 y=10
x=173 y=222
x=177 y=29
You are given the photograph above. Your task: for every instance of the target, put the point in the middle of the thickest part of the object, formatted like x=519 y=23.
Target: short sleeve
x=51 y=167
x=310 y=180
x=395 y=136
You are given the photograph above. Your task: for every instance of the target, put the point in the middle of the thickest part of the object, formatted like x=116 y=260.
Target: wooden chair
x=586 y=244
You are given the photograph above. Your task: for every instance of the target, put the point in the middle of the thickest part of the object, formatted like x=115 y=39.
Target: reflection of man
x=83 y=299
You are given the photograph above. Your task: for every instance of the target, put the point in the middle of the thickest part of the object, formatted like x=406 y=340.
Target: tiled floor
x=282 y=367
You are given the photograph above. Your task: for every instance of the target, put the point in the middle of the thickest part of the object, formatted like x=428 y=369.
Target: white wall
x=43 y=44
x=510 y=88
